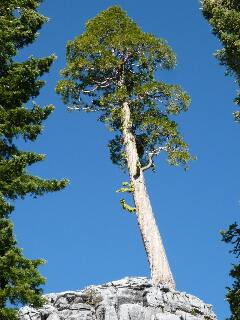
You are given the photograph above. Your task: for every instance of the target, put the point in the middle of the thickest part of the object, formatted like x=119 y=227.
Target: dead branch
x=151 y=154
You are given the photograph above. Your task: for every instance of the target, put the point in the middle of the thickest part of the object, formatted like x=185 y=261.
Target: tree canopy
x=224 y=17
x=115 y=61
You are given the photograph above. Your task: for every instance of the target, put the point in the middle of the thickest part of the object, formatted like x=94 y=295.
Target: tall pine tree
x=224 y=17
x=111 y=69
x=19 y=118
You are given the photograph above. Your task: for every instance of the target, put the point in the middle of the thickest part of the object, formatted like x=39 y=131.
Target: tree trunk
x=160 y=270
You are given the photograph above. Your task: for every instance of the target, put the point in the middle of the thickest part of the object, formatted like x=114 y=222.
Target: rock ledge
x=126 y=299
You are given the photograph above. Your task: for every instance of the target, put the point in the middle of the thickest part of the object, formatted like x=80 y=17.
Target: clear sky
x=82 y=231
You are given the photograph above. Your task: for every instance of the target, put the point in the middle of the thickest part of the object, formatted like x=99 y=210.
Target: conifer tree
x=224 y=17
x=22 y=118
x=232 y=236
x=19 y=277
x=111 y=69
x=19 y=82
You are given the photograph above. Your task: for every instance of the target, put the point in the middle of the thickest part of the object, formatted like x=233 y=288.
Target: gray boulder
x=126 y=299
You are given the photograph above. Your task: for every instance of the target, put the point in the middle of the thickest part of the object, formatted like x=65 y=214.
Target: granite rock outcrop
x=126 y=299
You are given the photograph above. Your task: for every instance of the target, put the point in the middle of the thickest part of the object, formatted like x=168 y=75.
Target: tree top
x=114 y=61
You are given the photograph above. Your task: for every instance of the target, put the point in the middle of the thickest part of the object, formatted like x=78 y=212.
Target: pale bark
x=160 y=270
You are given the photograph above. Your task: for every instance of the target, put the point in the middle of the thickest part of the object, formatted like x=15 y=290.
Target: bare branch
x=100 y=85
x=91 y=90
x=151 y=155
x=87 y=109
x=104 y=82
x=72 y=108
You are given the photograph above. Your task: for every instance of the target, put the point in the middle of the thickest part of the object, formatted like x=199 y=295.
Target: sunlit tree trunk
x=160 y=270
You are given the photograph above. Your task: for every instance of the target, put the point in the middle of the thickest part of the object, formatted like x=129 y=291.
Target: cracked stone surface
x=126 y=299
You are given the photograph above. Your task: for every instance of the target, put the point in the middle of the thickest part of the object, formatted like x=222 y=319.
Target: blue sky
x=82 y=232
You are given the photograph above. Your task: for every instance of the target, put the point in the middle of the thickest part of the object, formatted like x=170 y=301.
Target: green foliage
x=232 y=236
x=19 y=23
x=126 y=187
x=224 y=17
x=19 y=83
x=113 y=62
x=20 y=280
x=127 y=207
